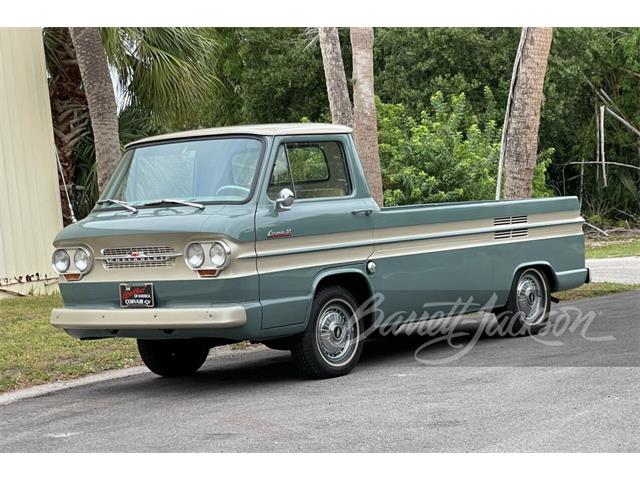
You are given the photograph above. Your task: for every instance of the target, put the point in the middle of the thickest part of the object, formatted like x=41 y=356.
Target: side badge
x=284 y=233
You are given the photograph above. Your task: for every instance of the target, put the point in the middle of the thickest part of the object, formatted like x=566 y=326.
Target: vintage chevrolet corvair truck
x=268 y=233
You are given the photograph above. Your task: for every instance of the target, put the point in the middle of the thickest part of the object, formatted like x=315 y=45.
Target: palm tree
x=69 y=108
x=336 y=80
x=164 y=73
x=97 y=85
x=521 y=140
x=365 y=129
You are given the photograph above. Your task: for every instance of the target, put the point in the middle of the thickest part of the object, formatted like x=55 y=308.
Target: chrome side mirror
x=284 y=200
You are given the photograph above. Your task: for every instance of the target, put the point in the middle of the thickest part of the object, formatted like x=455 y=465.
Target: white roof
x=265 y=129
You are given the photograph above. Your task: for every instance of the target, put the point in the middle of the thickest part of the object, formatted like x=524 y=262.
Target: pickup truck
x=268 y=233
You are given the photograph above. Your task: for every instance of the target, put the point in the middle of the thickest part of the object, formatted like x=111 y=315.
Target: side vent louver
x=512 y=233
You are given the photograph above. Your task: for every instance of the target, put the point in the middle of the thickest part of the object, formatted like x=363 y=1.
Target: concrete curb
x=48 y=388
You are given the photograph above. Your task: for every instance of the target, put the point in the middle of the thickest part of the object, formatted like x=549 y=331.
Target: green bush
x=449 y=154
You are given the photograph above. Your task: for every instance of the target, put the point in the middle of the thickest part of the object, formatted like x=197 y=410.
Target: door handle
x=366 y=211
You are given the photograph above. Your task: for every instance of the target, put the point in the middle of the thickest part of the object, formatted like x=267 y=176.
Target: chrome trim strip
x=411 y=238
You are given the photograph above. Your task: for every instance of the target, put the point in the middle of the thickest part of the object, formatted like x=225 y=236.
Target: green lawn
x=595 y=290
x=615 y=247
x=33 y=352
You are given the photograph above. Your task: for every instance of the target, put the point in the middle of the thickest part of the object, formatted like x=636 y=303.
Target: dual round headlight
x=61 y=260
x=218 y=254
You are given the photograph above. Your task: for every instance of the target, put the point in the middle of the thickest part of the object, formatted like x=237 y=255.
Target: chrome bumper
x=152 y=318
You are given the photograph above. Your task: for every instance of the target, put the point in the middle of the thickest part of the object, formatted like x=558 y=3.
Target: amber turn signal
x=208 y=273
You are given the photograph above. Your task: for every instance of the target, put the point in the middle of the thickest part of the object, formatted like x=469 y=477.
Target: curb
x=48 y=388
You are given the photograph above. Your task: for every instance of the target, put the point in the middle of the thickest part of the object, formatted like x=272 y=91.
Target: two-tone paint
x=421 y=254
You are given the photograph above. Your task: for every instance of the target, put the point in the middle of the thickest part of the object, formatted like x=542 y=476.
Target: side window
x=316 y=169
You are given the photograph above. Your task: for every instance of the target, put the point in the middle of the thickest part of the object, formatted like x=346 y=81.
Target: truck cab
x=268 y=233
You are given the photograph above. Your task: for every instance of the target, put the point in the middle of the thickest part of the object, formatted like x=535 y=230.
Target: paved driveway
x=521 y=394
x=617 y=270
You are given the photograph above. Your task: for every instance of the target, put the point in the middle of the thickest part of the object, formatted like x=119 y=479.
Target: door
x=328 y=225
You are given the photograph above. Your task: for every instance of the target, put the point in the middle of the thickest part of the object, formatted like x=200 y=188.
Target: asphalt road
x=516 y=394
x=617 y=270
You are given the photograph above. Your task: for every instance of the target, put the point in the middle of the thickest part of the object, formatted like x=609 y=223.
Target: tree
x=96 y=81
x=69 y=109
x=365 y=125
x=523 y=121
x=150 y=63
x=335 y=78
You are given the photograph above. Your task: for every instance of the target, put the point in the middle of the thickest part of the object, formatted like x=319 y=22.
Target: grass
x=613 y=247
x=589 y=290
x=34 y=352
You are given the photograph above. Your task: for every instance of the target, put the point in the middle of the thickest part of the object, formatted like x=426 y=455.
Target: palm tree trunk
x=521 y=141
x=365 y=123
x=69 y=109
x=98 y=88
x=335 y=78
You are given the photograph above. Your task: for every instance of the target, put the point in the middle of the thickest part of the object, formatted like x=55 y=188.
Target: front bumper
x=153 y=318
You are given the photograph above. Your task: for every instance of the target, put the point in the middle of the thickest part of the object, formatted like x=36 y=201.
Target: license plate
x=136 y=295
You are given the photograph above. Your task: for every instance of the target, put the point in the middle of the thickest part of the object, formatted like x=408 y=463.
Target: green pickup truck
x=268 y=233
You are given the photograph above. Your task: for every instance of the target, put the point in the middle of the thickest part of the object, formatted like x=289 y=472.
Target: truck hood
x=235 y=221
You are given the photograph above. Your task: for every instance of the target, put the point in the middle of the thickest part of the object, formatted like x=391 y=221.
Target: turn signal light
x=72 y=277
x=208 y=273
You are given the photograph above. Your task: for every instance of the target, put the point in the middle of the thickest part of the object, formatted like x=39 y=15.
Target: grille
x=139 y=257
x=514 y=233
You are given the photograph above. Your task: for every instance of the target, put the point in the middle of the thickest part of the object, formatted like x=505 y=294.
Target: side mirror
x=284 y=200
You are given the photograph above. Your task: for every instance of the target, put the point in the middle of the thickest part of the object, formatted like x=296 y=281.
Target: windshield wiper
x=119 y=202
x=177 y=202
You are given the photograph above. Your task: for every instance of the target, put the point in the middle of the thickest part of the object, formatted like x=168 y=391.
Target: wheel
x=528 y=306
x=331 y=345
x=173 y=358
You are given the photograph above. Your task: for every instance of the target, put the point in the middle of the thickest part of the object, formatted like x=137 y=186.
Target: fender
x=358 y=269
x=548 y=267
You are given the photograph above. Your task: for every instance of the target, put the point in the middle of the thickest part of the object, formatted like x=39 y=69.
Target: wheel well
x=355 y=283
x=548 y=273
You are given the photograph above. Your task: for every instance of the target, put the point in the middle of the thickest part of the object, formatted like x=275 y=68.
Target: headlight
x=195 y=255
x=60 y=261
x=82 y=260
x=218 y=254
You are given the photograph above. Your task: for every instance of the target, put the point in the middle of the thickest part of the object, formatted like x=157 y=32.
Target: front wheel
x=331 y=345
x=528 y=306
x=173 y=358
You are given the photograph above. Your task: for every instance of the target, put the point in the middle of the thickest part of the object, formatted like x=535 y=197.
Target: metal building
x=29 y=194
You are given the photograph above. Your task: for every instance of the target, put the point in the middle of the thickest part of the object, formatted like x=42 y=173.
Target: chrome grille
x=139 y=257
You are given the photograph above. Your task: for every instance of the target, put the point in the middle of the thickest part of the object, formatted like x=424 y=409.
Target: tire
x=331 y=345
x=528 y=305
x=173 y=358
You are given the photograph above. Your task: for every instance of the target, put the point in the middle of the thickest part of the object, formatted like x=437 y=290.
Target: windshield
x=213 y=170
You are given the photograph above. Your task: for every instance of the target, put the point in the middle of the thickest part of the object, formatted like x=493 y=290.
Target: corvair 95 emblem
x=284 y=233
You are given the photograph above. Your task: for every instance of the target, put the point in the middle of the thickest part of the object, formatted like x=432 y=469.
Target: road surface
x=514 y=394
x=616 y=270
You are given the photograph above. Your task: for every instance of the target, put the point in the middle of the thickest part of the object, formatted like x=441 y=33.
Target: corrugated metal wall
x=29 y=193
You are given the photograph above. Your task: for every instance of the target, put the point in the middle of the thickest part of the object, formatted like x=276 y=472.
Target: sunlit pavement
x=575 y=388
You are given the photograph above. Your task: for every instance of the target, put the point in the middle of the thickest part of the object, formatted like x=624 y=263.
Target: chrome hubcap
x=337 y=333
x=531 y=297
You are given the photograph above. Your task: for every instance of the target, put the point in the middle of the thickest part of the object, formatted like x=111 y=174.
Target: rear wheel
x=528 y=306
x=332 y=344
x=173 y=358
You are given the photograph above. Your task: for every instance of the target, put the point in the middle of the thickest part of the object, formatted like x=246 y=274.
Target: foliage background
x=442 y=94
